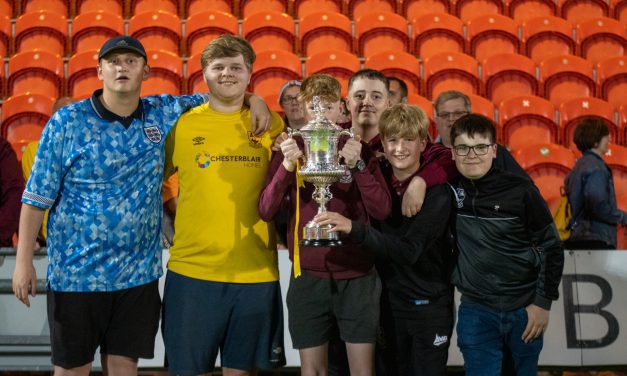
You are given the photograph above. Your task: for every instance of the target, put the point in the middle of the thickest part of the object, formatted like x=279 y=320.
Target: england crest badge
x=153 y=133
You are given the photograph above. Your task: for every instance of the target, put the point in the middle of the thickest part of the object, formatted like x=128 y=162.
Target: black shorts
x=123 y=322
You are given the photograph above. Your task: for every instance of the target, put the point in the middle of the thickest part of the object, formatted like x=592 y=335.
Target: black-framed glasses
x=452 y=115
x=288 y=98
x=464 y=150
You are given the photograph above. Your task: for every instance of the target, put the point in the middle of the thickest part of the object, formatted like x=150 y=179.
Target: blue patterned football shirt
x=101 y=179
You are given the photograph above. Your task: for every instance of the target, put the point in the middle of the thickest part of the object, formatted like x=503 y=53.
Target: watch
x=359 y=166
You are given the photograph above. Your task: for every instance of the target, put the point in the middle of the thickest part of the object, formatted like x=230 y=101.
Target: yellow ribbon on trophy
x=299 y=183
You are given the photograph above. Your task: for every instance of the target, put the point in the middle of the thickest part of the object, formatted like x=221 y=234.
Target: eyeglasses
x=464 y=150
x=288 y=98
x=452 y=115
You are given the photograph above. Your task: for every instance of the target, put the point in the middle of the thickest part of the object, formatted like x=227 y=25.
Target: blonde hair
x=227 y=45
x=322 y=85
x=404 y=120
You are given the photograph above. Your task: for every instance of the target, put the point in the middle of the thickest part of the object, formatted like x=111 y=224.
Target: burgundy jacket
x=11 y=188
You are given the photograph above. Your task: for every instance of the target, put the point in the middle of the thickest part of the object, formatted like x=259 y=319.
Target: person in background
x=291 y=106
x=11 y=187
x=398 y=91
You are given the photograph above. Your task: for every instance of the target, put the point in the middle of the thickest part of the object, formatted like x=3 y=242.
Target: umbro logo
x=198 y=140
x=439 y=340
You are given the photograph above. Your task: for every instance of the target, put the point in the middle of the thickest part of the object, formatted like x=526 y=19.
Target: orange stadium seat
x=575 y=109
x=397 y=64
x=6 y=8
x=566 y=77
x=82 y=74
x=524 y=10
x=427 y=106
x=577 y=11
x=272 y=101
x=437 y=32
x=2 y=82
x=41 y=30
x=250 y=7
x=61 y=7
x=547 y=164
x=612 y=79
x=492 y=34
x=546 y=37
x=195 y=80
x=469 y=9
x=527 y=120
x=35 y=71
x=141 y=6
x=272 y=69
x=381 y=31
x=5 y=36
x=324 y=31
x=157 y=30
x=622 y=124
x=450 y=71
x=24 y=117
x=111 y=6
x=203 y=27
x=414 y=9
x=166 y=74
x=269 y=30
x=601 y=38
x=193 y=7
x=91 y=29
x=304 y=8
x=508 y=75
x=359 y=8
x=339 y=64
x=619 y=10
x=616 y=158
x=481 y=106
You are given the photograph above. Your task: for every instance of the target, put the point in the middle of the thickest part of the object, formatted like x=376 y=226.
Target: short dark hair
x=401 y=84
x=589 y=133
x=472 y=124
x=370 y=74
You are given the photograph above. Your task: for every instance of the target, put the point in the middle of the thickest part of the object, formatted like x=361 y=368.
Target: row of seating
x=480 y=37
x=521 y=10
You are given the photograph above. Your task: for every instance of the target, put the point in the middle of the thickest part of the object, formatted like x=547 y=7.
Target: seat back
x=572 y=111
x=157 y=30
x=323 y=31
x=381 y=31
x=304 y=8
x=450 y=71
x=272 y=69
x=546 y=37
x=397 y=64
x=492 y=34
x=142 y=6
x=601 y=38
x=359 y=8
x=469 y=9
x=527 y=120
x=427 y=106
x=193 y=7
x=166 y=74
x=339 y=64
x=616 y=158
x=269 y=30
x=36 y=71
x=61 y=7
x=524 y=10
x=249 y=7
x=577 y=11
x=203 y=27
x=414 y=9
x=509 y=75
x=437 y=32
x=547 y=165
x=112 y=6
x=612 y=79
x=24 y=117
x=44 y=30
x=566 y=77
x=83 y=74
x=91 y=30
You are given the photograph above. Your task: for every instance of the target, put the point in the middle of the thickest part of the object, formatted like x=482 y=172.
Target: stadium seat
x=304 y=8
x=397 y=64
x=91 y=29
x=524 y=10
x=618 y=10
x=577 y=11
x=2 y=83
x=616 y=158
x=508 y=75
x=6 y=8
x=427 y=106
x=157 y=30
x=37 y=71
x=61 y=7
x=381 y=31
x=527 y=120
x=481 y=106
x=111 y=6
x=142 y=6
x=339 y=64
x=359 y=8
x=193 y=7
x=469 y=9
x=572 y=111
x=566 y=77
x=601 y=38
x=491 y=35
x=42 y=30
x=203 y=27
x=83 y=74
x=546 y=37
x=24 y=117
x=269 y=30
x=437 y=32
x=612 y=79
x=547 y=164
x=324 y=31
x=250 y=7
x=195 y=82
x=166 y=74
x=414 y=9
x=5 y=36
x=272 y=69
x=273 y=104
x=450 y=71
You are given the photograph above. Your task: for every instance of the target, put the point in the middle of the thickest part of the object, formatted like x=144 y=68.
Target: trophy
x=322 y=168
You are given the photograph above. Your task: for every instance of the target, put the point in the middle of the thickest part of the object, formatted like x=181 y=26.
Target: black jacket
x=510 y=254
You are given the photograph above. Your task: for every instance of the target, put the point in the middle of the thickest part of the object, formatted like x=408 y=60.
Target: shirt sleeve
x=374 y=192
x=277 y=182
x=437 y=166
x=598 y=205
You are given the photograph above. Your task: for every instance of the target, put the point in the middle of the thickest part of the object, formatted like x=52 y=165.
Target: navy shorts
x=244 y=321
x=123 y=322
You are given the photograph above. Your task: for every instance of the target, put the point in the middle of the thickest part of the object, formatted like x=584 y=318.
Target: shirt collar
x=107 y=115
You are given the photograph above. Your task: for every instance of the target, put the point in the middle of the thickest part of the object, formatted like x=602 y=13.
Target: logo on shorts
x=439 y=340
x=153 y=133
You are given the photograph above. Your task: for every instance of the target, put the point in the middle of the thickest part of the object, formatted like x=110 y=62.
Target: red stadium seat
x=166 y=74
x=304 y=8
x=339 y=64
x=157 y=30
x=547 y=164
x=566 y=77
x=6 y=8
x=142 y=6
x=437 y=32
x=61 y=7
x=111 y=6
x=572 y=111
x=450 y=71
x=249 y=7
x=619 y=10
x=91 y=29
x=469 y=9
x=42 y=30
x=269 y=30
x=491 y=35
x=83 y=74
x=601 y=38
x=24 y=117
x=359 y=8
x=203 y=27
x=325 y=31
x=397 y=64
x=481 y=106
x=509 y=75
x=427 y=106
x=195 y=80
x=272 y=69
x=612 y=79
x=527 y=120
x=381 y=31
x=577 y=11
x=35 y=71
x=524 y=10
x=414 y=9
x=616 y=158
x=193 y=7
x=546 y=37
x=2 y=82
x=5 y=36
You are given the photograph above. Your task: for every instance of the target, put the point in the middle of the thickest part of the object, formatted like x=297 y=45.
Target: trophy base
x=321 y=242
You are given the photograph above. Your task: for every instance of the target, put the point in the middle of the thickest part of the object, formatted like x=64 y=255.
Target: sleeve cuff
x=37 y=200
x=543 y=302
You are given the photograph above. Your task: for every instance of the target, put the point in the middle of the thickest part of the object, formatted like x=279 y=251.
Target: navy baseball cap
x=122 y=42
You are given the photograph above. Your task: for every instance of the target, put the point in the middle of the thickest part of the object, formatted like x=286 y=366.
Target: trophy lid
x=320 y=122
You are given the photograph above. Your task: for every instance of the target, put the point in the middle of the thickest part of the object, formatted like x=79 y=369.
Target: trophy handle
x=347 y=132
x=292 y=132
